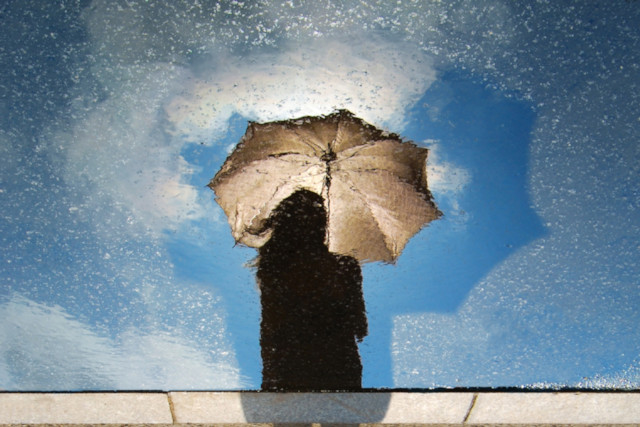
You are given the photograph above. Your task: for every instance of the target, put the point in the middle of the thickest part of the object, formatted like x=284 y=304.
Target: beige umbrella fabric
x=374 y=184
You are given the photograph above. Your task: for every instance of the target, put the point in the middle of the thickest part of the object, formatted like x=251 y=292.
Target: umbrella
x=374 y=185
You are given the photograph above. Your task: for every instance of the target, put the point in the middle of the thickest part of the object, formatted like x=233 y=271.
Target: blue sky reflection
x=118 y=270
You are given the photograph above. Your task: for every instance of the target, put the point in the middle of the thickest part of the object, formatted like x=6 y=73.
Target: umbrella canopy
x=374 y=185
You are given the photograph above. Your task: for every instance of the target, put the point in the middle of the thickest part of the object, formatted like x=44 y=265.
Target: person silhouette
x=312 y=304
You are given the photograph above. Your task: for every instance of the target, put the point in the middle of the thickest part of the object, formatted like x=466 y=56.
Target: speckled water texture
x=118 y=270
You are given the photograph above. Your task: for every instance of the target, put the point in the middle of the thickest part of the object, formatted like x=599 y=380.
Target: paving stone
x=203 y=407
x=556 y=408
x=226 y=407
x=433 y=408
x=84 y=408
x=397 y=408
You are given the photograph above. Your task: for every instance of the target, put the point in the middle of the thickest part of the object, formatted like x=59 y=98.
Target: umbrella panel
x=374 y=184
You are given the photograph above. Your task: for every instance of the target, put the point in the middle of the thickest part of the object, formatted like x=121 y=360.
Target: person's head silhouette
x=300 y=219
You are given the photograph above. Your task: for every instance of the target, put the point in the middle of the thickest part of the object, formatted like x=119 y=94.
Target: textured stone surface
x=84 y=408
x=437 y=408
x=251 y=408
x=200 y=407
x=556 y=408
x=212 y=407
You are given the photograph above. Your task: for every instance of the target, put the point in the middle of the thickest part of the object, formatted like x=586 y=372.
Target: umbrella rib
x=279 y=187
x=302 y=139
x=363 y=197
x=424 y=191
x=286 y=153
x=327 y=185
x=355 y=153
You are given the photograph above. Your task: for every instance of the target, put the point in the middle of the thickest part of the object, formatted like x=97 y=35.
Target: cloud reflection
x=375 y=79
x=44 y=344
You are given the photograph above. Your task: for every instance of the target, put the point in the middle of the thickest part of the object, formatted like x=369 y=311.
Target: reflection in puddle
x=312 y=305
x=117 y=115
x=316 y=196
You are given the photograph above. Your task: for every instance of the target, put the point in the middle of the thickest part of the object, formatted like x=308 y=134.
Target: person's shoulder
x=346 y=259
x=348 y=263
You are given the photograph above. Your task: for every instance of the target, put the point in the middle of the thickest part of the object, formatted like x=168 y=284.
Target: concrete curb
x=371 y=408
x=84 y=408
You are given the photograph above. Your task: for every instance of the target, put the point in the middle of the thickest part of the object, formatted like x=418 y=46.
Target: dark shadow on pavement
x=307 y=408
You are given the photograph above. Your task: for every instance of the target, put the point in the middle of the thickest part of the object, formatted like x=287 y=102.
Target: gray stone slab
x=339 y=408
x=397 y=408
x=556 y=408
x=84 y=408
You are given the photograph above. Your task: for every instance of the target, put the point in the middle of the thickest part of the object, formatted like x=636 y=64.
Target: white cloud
x=436 y=350
x=533 y=320
x=169 y=361
x=375 y=79
x=121 y=149
x=447 y=182
x=444 y=178
x=128 y=147
x=43 y=344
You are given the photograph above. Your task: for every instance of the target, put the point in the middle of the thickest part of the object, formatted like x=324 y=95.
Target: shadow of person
x=313 y=313
x=312 y=304
x=309 y=409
